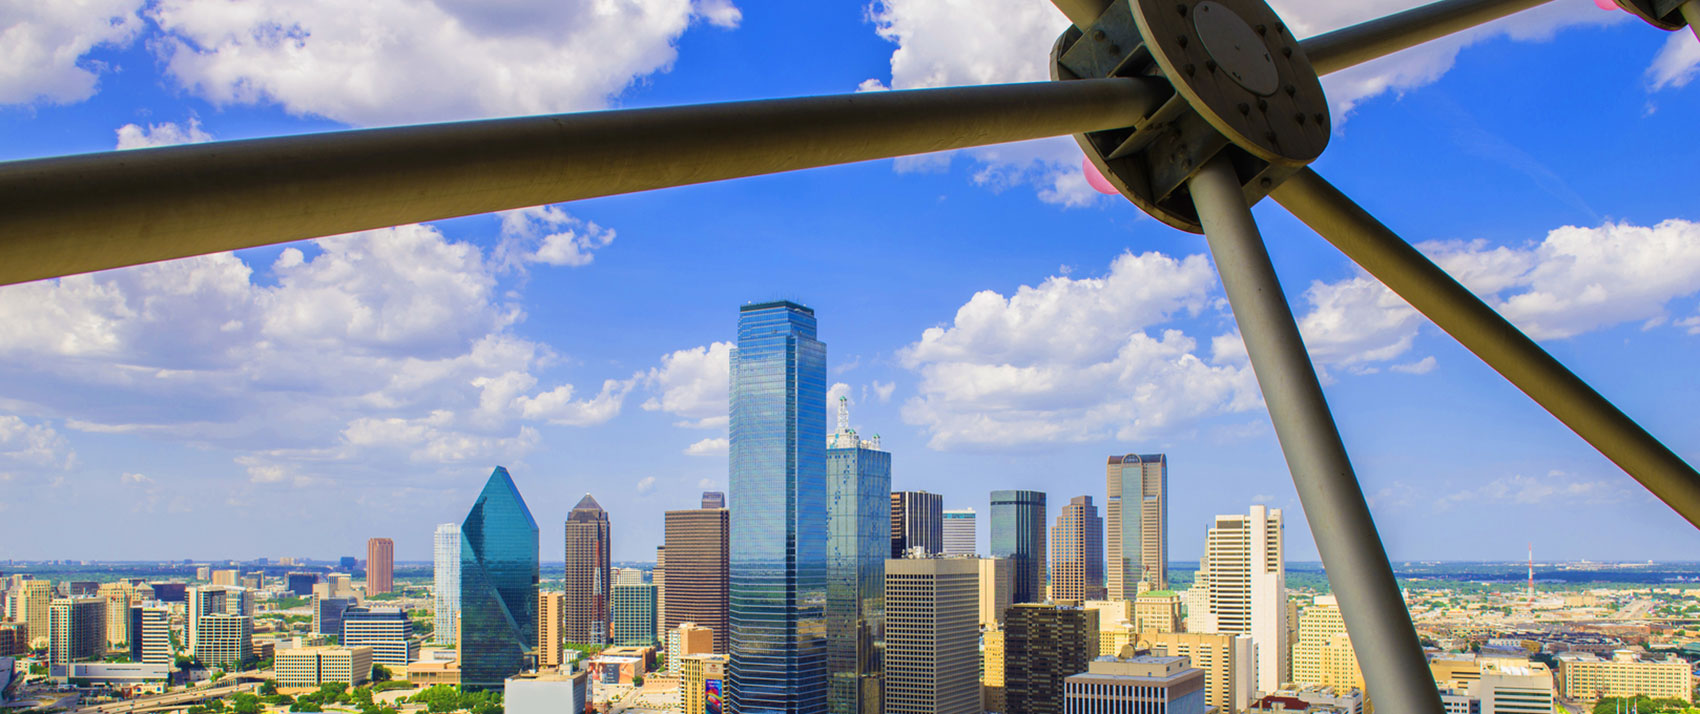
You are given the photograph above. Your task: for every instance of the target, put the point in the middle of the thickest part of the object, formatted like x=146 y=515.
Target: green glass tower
x=498 y=585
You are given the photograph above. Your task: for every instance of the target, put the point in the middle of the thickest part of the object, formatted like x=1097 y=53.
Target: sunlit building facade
x=498 y=585
x=1136 y=510
x=1018 y=533
x=445 y=597
x=858 y=484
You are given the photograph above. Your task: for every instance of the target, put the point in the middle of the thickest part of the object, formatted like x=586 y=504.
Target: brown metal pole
x=1360 y=43
x=1497 y=342
x=77 y=214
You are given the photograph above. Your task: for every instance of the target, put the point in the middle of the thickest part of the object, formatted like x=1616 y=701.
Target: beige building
x=1157 y=611
x=1077 y=552
x=119 y=597
x=223 y=640
x=1514 y=687
x=428 y=674
x=549 y=618
x=991 y=669
x=1244 y=574
x=226 y=577
x=77 y=628
x=313 y=666
x=31 y=603
x=1323 y=655
x=1588 y=678
x=688 y=638
x=1229 y=679
x=702 y=677
x=1140 y=683
x=932 y=636
x=997 y=589
x=1136 y=513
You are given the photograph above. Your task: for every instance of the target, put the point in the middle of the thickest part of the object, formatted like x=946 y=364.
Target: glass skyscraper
x=1018 y=533
x=778 y=513
x=446 y=576
x=858 y=485
x=498 y=585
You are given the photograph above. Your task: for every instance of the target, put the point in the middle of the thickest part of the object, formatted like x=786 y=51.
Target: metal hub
x=1236 y=48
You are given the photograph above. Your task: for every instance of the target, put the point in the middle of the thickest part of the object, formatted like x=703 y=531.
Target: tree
x=245 y=703
x=381 y=673
x=217 y=674
x=268 y=688
x=637 y=680
x=300 y=706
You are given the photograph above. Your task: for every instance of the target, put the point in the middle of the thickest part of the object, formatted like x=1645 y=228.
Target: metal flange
x=1243 y=87
x=1663 y=14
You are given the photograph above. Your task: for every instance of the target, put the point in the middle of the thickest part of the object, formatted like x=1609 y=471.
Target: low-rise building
x=426 y=673
x=313 y=666
x=387 y=630
x=702 y=679
x=1141 y=683
x=552 y=692
x=1310 y=700
x=135 y=676
x=1587 y=677
x=615 y=669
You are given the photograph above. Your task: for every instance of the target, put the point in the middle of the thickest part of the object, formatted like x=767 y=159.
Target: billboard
x=711 y=698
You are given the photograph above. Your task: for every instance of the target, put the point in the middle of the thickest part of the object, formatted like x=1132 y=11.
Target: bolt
x=1190 y=70
x=1292 y=90
x=1115 y=49
x=1265 y=182
x=1262 y=105
x=1210 y=65
x=1299 y=117
x=1245 y=108
x=1280 y=29
x=1181 y=8
x=1181 y=40
x=1321 y=118
x=1262 y=30
x=1270 y=135
x=1098 y=35
x=1286 y=52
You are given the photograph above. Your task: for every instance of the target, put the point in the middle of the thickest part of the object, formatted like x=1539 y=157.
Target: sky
x=998 y=323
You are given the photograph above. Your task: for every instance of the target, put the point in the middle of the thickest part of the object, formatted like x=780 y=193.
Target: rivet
x=1245 y=108
x=1265 y=182
x=1181 y=8
x=1270 y=135
x=1299 y=117
x=1321 y=119
x=1262 y=105
x=1190 y=70
x=1292 y=90
x=1210 y=65
x=1280 y=29
x=1286 y=52
x=1181 y=40
x=1262 y=30
x=1098 y=35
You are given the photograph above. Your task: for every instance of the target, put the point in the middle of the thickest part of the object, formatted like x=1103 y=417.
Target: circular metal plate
x=1287 y=125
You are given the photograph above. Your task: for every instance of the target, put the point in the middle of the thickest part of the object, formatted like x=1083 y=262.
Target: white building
x=546 y=693
x=1245 y=589
x=959 y=536
x=447 y=584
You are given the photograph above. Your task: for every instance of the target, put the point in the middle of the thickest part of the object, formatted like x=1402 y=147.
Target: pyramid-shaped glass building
x=498 y=585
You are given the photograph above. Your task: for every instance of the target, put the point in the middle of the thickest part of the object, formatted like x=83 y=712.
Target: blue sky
x=996 y=322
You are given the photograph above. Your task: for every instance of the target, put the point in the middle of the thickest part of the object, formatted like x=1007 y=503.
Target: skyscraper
x=150 y=634
x=119 y=597
x=1043 y=645
x=446 y=579
x=1077 y=552
x=549 y=619
x=1323 y=654
x=997 y=590
x=959 y=537
x=77 y=628
x=327 y=614
x=225 y=640
x=713 y=499
x=632 y=609
x=1137 y=507
x=384 y=629
x=380 y=566
x=778 y=515
x=1018 y=533
x=498 y=585
x=917 y=521
x=932 y=639
x=32 y=602
x=1246 y=586
x=858 y=488
x=588 y=575
x=698 y=580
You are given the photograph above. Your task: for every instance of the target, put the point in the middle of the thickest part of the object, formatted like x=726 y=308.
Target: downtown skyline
x=583 y=345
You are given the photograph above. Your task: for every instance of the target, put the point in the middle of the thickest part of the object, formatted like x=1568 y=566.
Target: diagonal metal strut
x=1496 y=341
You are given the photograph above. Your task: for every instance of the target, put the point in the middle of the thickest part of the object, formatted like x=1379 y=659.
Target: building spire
x=843 y=414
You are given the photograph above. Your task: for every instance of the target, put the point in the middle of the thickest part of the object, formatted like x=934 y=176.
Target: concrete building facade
x=932 y=636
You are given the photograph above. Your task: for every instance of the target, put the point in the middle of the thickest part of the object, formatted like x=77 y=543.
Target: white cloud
x=1677 y=62
x=549 y=235
x=46 y=44
x=1528 y=490
x=708 y=447
x=883 y=391
x=134 y=478
x=557 y=406
x=403 y=61
x=646 y=484
x=133 y=136
x=25 y=446
x=1071 y=360
x=692 y=384
x=1422 y=366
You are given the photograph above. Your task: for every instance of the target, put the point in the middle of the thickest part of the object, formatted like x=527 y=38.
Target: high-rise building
x=932 y=636
x=659 y=577
x=384 y=629
x=327 y=614
x=1245 y=580
x=1043 y=646
x=1323 y=655
x=338 y=585
x=1137 y=507
x=991 y=668
x=77 y=630
x=12 y=639
x=201 y=602
x=632 y=608
x=550 y=614
x=299 y=584
x=119 y=597
x=445 y=577
x=687 y=639
x=226 y=577
x=588 y=574
x=1077 y=552
x=313 y=666
x=997 y=589
x=698 y=575
x=713 y=499
x=1018 y=533
x=224 y=640
x=1157 y=611
x=959 y=537
x=858 y=498
x=498 y=585
x=778 y=514
x=380 y=566
x=348 y=563
x=150 y=634
x=254 y=581
x=701 y=683
x=1229 y=673
x=239 y=601
x=917 y=521
x=32 y=601
x=1141 y=683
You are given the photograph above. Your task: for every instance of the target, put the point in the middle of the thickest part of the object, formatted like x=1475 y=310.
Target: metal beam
x=76 y=214
x=1082 y=12
x=1691 y=12
x=1348 y=46
x=1395 y=672
x=1497 y=342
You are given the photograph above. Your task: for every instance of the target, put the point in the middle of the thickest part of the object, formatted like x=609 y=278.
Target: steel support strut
x=83 y=213
x=1497 y=342
x=1395 y=671
x=1691 y=12
x=1360 y=43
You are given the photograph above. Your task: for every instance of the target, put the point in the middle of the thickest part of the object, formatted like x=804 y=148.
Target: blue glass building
x=778 y=513
x=858 y=512
x=498 y=585
x=1018 y=533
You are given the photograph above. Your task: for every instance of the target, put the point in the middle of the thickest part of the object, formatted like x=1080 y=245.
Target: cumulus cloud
x=692 y=384
x=1529 y=490
x=47 y=43
x=882 y=391
x=32 y=446
x=646 y=484
x=134 y=136
x=404 y=61
x=708 y=447
x=1072 y=359
x=549 y=235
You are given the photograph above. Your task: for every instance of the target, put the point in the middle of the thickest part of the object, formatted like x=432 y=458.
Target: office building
x=778 y=514
x=959 y=535
x=150 y=634
x=498 y=585
x=224 y=641
x=1245 y=584
x=547 y=693
x=658 y=576
x=1330 y=700
x=1114 y=617
x=588 y=575
x=384 y=629
x=254 y=581
x=226 y=577
x=702 y=679
x=626 y=576
x=1018 y=533
x=1043 y=646
x=1587 y=677
x=203 y=573
x=687 y=639
x=1157 y=611
x=380 y=566
x=445 y=579
x=1226 y=660
x=298 y=584
x=119 y=597
x=1509 y=686
x=1137 y=510
x=132 y=676
x=1323 y=655
x=551 y=614
x=14 y=641
x=1148 y=684
x=698 y=571
x=200 y=602
x=32 y=601
x=713 y=499
x=991 y=669
x=327 y=614
x=314 y=666
x=917 y=521
x=997 y=589
x=858 y=511
x=1077 y=552
x=932 y=636
x=77 y=630
x=338 y=585
x=348 y=563
x=632 y=608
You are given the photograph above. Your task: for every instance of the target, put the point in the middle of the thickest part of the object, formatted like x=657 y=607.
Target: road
x=169 y=699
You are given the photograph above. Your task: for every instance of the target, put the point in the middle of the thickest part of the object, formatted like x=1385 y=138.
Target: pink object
x=1606 y=5
x=1097 y=179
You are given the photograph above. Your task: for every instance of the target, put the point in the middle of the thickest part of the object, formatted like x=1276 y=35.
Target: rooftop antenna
x=1531 y=570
